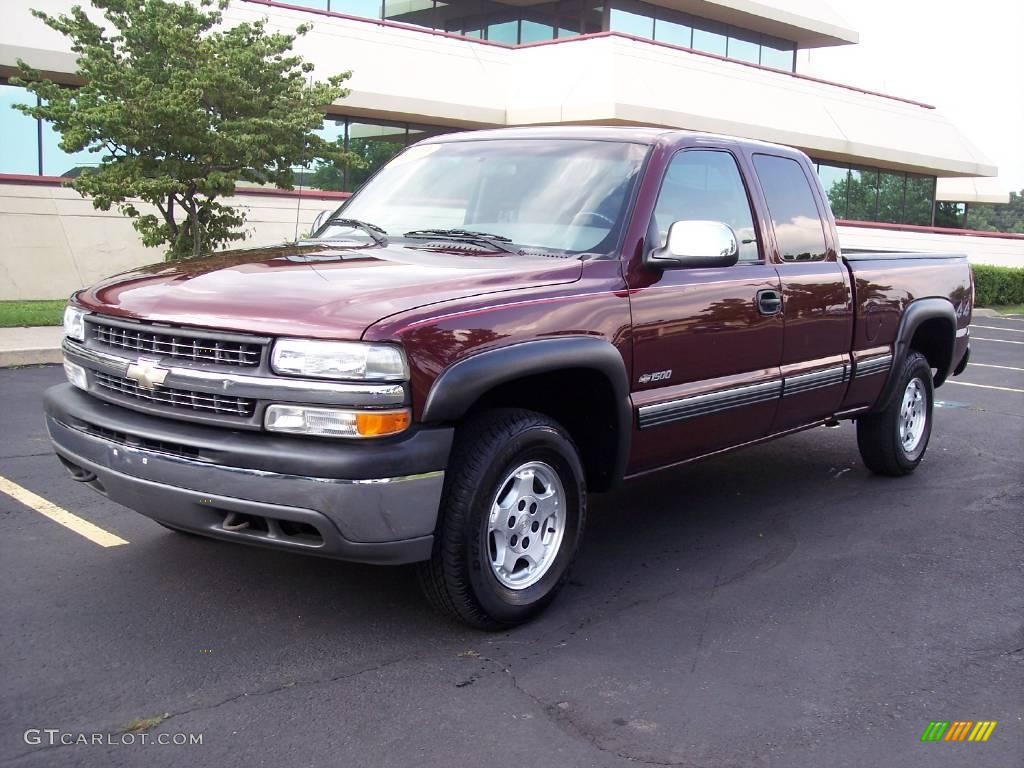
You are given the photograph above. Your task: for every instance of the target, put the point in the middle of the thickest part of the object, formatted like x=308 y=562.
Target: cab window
x=795 y=217
x=706 y=185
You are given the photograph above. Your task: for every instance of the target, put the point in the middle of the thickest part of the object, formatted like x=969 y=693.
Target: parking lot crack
x=239 y=697
x=559 y=714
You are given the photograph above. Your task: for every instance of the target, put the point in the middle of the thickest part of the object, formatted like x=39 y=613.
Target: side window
x=795 y=217
x=705 y=185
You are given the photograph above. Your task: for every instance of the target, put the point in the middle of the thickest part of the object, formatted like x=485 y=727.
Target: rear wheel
x=512 y=517
x=893 y=441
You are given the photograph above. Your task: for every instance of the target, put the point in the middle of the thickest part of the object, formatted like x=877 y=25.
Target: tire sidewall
x=916 y=367
x=534 y=443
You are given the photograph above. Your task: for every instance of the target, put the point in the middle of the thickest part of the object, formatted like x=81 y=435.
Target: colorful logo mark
x=958 y=730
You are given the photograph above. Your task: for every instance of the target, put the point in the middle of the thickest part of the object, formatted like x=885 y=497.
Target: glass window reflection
x=630 y=23
x=834 y=181
x=709 y=40
x=795 y=218
x=19 y=150
x=674 y=33
x=862 y=194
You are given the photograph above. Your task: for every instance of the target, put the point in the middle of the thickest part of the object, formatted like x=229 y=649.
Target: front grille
x=178 y=398
x=181 y=345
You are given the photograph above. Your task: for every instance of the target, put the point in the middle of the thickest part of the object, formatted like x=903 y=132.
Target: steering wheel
x=595 y=214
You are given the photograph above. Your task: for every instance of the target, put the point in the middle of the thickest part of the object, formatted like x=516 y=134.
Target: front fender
x=466 y=381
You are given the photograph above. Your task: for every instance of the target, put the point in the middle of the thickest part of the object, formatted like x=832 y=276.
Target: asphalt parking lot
x=774 y=607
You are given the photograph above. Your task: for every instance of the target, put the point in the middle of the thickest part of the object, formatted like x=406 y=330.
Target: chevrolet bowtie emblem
x=147 y=372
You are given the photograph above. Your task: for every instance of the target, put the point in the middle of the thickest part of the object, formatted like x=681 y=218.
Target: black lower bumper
x=374 y=503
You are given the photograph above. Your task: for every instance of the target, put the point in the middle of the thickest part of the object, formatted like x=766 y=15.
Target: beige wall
x=55 y=242
x=412 y=74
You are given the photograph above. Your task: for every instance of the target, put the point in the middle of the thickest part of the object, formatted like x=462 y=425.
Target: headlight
x=339 y=360
x=74 y=323
x=334 y=422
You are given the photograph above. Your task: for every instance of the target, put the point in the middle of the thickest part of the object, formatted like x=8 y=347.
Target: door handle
x=769 y=302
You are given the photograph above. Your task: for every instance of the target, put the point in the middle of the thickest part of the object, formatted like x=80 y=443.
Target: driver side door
x=707 y=342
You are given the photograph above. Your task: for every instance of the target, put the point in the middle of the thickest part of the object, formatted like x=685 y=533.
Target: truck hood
x=309 y=290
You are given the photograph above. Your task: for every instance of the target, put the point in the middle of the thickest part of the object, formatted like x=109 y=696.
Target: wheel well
x=580 y=399
x=932 y=338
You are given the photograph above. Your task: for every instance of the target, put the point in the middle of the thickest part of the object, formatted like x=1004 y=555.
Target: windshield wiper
x=379 y=235
x=497 y=242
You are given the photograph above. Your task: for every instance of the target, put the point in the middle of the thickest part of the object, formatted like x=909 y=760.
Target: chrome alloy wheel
x=913 y=415
x=526 y=525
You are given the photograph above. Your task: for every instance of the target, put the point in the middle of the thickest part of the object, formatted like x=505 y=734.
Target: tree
x=183 y=109
x=998 y=217
x=366 y=156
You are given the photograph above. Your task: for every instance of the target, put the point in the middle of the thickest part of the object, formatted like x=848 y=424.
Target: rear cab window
x=799 y=232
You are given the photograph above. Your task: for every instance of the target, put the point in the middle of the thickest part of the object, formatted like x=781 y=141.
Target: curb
x=982 y=312
x=13 y=358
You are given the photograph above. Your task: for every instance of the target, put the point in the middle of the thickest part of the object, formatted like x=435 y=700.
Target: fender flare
x=465 y=381
x=914 y=315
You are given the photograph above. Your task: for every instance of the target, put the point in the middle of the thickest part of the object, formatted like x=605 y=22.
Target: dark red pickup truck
x=495 y=325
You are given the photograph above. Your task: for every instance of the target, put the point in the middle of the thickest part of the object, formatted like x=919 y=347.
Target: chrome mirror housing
x=696 y=244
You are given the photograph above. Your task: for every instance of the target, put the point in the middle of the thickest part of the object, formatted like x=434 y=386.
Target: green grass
x=1010 y=309
x=15 y=314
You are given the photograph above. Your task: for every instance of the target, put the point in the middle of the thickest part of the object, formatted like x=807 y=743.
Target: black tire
x=878 y=434
x=458 y=580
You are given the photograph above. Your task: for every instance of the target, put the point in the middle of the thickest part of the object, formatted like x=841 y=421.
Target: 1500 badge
x=647 y=378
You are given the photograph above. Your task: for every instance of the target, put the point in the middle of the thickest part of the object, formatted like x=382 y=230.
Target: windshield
x=554 y=195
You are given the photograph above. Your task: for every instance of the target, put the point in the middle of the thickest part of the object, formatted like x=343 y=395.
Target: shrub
x=996 y=286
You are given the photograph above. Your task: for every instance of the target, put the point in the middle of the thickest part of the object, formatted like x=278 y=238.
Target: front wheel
x=893 y=441
x=512 y=518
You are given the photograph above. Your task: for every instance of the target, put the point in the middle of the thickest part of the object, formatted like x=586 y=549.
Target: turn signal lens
x=379 y=423
x=335 y=422
x=76 y=374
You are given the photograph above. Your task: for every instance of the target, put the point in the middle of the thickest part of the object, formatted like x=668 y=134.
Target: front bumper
x=369 y=503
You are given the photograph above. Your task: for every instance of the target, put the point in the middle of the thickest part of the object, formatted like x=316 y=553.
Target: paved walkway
x=30 y=346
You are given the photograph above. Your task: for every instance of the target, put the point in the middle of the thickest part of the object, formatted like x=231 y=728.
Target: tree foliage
x=182 y=109
x=1006 y=217
x=367 y=156
x=871 y=195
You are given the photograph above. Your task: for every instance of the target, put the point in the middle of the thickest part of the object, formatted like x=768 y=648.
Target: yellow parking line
x=1004 y=341
x=93 y=533
x=997 y=328
x=985 y=386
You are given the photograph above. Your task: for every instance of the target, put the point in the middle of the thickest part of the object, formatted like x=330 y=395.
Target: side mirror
x=696 y=244
x=319 y=221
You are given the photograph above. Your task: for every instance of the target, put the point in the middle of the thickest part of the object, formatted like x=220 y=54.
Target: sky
x=965 y=58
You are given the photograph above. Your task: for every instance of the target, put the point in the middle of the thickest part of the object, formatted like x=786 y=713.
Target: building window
x=744 y=47
x=32 y=147
x=652 y=22
x=19 y=151
x=951 y=215
x=375 y=142
x=872 y=194
x=778 y=54
x=710 y=38
x=518 y=23
x=631 y=22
